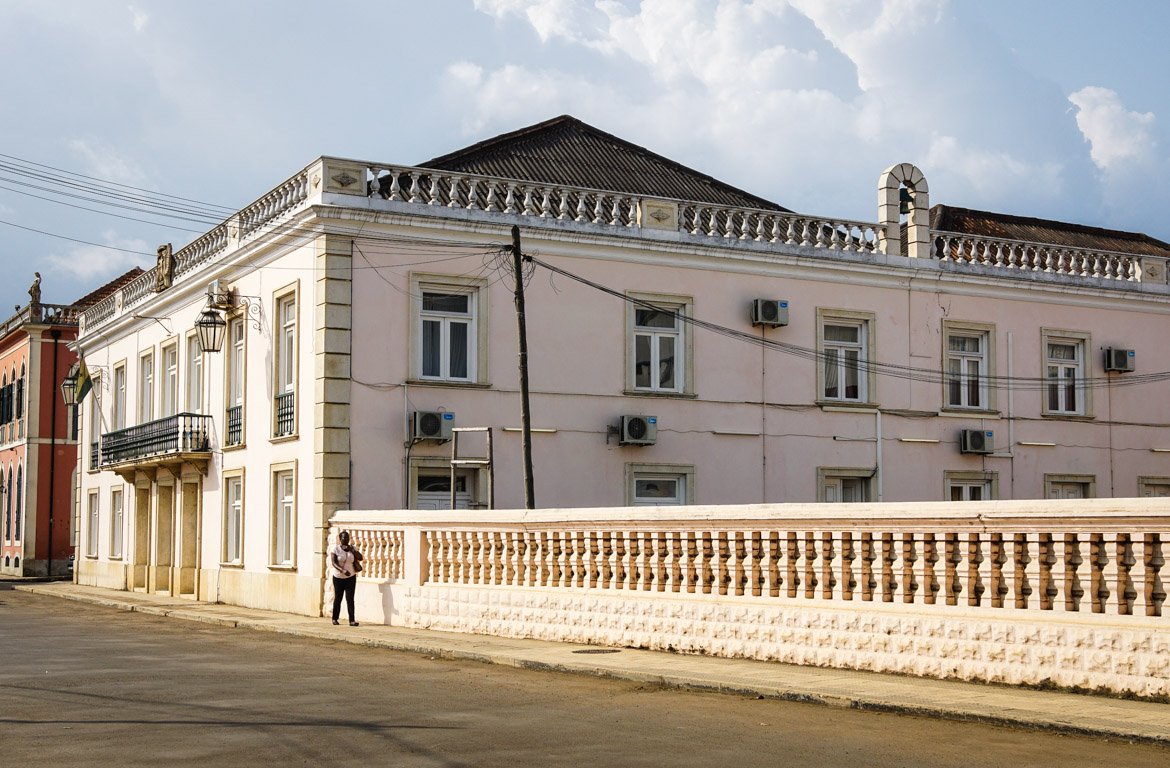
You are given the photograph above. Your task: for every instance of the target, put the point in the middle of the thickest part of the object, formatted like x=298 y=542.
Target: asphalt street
x=86 y=685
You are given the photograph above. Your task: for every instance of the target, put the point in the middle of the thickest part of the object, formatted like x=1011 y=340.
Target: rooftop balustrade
x=425 y=190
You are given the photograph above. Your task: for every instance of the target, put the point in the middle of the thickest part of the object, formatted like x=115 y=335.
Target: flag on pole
x=84 y=382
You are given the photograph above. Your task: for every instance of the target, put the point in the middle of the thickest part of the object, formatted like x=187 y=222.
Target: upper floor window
x=448 y=316
x=1064 y=373
x=234 y=370
x=285 y=362
x=659 y=485
x=194 y=384
x=146 y=388
x=118 y=415
x=170 y=381
x=969 y=361
x=971 y=486
x=659 y=344
x=845 y=346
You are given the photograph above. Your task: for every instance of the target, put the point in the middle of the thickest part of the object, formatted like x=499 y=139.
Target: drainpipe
x=878 y=457
x=56 y=334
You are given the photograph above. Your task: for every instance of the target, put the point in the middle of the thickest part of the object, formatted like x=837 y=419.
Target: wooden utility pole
x=525 y=413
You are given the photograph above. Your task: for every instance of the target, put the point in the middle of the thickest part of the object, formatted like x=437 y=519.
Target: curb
x=1010 y=718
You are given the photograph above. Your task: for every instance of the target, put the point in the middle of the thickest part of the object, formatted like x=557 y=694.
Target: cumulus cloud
x=138 y=18
x=93 y=265
x=1117 y=135
x=769 y=93
x=106 y=163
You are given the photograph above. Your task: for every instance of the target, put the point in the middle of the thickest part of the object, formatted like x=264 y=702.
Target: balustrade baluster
x=1060 y=579
x=924 y=570
x=546 y=203
x=473 y=194
x=835 y=237
x=804 y=233
x=621 y=553
x=435 y=192
x=673 y=578
x=792 y=560
x=820 y=237
x=529 y=203
x=415 y=188
x=395 y=189
x=599 y=210
x=909 y=556
x=632 y=213
x=510 y=199
x=981 y=570
x=889 y=577
x=1124 y=589
x=1104 y=571
x=563 y=208
x=454 y=193
x=808 y=539
x=615 y=213
x=953 y=560
x=1030 y=590
x=826 y=576
x=693 y=562
x=846 y=557
x=750 y=563
x=1152 y=586
x=582 y=209
x=790 y=232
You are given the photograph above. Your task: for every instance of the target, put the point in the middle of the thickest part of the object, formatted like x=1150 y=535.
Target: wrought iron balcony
x=184 y=437
x=286 y=410
x=235 y=425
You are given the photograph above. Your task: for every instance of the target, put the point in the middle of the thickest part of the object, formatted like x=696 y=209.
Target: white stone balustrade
x=1023 y=257
x=979 y=591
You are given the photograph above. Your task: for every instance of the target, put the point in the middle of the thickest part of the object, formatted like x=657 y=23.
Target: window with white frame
x=283 y=516
x=659 y=485
x=971 y=486
x=233 y=520
x=94 y=408
x=845 y=346
x=1157 y=487
x=116 y=523
x=91 y=522
x=448 y=335
x=448 y=328
x=285 y=362
x=146 y=388
x=170 y=381
x=1064 y=373
x=968 y=359
x=1070 y=486
x=194 y=385
x=118 y=416
x=844 y=485
x=234 y=371
x=658 y=344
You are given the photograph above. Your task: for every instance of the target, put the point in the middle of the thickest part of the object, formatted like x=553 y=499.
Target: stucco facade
x=358 y=295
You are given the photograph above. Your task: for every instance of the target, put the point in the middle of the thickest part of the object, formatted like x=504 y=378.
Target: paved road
x=84 y=685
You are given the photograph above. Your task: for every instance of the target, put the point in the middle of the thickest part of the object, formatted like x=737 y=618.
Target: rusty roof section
x=93 y=297
x=945 y=218
x=569 y=152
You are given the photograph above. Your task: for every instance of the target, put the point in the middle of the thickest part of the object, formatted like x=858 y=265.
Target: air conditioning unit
x=1120 y=360
x=638 y=430
x=976 y=441
x=219 y=294
x=771 y=312
x=431 y=425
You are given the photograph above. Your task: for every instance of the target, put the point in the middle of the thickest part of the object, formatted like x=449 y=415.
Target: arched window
x=8 y=507
x=20 y=394
x=19 y=497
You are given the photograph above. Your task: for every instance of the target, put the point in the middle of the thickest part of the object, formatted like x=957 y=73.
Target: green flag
x=84 y=382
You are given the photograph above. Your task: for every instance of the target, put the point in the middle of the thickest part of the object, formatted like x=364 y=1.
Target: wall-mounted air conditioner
x=1120 y=360
x=976 y=441
x=770 y=312
x=431 y=425
x=638 y=430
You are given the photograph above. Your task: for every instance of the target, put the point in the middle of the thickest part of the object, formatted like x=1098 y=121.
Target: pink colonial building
x=689 y=344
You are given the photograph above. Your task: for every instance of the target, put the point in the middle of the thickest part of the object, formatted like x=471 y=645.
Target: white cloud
x=94 y=265
x=1116 y=135
x=991 y=174
x=138 y=18
x=104 y=162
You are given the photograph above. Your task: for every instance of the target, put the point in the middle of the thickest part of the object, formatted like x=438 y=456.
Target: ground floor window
x=659 y=485
x=233 y=520
x=116 y=523
x=91 y=525
x=430 y=485
x=848 y=485
x=284 y=507
x=971 y=486
x=1154 y=486
x=1070 y=486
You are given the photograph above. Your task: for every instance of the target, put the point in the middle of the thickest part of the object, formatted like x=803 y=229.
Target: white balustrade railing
x=764 y=226
x=1023 y=257
x=1039 y=556
x=272 y=205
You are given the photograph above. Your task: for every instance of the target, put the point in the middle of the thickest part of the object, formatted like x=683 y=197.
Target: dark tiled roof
x=566 y=151
x=94 y=297
x=945 y=218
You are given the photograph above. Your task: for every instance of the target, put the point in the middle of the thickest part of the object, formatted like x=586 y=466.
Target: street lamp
x=211 y=328
x=69 y=386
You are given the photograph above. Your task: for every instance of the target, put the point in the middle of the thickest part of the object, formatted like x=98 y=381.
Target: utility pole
x=525 y=413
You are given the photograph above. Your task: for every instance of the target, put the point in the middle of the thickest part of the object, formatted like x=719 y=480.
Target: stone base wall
x=276 y=591
x=1109 y=653
x=101 y=573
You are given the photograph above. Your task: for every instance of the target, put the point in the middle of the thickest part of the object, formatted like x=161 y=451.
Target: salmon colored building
x=38 y=452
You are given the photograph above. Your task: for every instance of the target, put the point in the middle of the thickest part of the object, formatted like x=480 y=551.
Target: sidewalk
x=1064 y=712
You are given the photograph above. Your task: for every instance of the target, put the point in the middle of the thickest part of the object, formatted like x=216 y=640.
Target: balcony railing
x=286 y=411
x=180 y=434
x=235 y=425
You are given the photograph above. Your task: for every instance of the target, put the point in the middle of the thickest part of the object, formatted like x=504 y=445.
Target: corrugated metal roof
x=569 y=152
x=945 y=218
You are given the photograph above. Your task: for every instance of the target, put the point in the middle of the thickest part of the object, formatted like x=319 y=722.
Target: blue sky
x=1049 y=109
